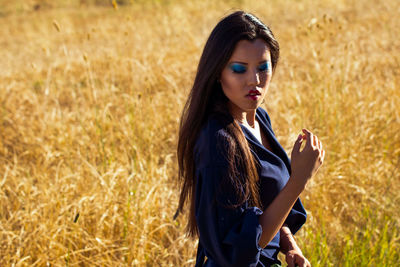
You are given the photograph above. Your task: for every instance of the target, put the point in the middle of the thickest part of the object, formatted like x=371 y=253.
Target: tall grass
x=90 y=101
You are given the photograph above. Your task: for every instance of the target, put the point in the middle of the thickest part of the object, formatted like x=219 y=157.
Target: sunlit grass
x=90 y=99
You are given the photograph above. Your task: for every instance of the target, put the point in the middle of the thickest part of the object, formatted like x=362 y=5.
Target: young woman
x=242 y=188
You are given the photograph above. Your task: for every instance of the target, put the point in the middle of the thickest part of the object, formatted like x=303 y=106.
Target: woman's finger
x=290 y=260
x=300 y=261
x=297 y=144
x=315 y=141
x=320 y=148
x=302 y=264
x=309 y=137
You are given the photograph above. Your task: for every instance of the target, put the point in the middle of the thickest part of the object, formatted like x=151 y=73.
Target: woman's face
x=246 y=77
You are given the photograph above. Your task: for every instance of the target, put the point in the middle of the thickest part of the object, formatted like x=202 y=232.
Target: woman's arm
x=287 y=242
x=289 y=247
x=229 y=235
x=274 y=216
x=305 y=164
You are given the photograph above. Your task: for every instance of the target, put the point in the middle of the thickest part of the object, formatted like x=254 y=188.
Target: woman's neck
x=247 y=118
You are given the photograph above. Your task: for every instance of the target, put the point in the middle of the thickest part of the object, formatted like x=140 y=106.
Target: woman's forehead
x=249 y=51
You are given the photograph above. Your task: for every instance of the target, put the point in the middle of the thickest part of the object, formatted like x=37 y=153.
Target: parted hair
x=206 y=98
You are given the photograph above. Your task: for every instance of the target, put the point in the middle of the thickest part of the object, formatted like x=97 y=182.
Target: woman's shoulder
x=211 y=143
x=264 y=115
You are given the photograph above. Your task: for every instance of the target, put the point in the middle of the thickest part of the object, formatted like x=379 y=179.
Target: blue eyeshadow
x=238 y=68
x=265 y=66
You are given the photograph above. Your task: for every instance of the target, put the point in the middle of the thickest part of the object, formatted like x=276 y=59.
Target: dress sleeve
x=229 y=236
x=297 y=217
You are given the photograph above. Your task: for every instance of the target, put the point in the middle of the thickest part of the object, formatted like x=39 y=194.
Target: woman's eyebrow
x=244 y=63
x=239 y=62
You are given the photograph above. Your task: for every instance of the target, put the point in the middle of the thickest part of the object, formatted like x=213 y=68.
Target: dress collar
x=277 y=149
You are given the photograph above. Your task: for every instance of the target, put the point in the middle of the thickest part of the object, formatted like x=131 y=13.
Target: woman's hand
x=305 y=163
x=296 y=258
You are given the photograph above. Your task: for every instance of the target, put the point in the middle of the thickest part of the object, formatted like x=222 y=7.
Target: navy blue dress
x=229 y=237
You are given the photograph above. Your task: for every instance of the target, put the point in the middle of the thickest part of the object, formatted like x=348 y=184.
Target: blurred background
x=91 y=93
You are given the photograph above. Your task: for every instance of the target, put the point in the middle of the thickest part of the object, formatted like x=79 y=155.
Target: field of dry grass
x=90 y=99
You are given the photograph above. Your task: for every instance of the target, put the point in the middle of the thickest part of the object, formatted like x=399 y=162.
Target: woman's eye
x=265 y=67
x=238 y=68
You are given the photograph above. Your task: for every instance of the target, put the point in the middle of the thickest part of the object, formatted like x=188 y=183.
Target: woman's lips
x=254 y=94
x=254 y=97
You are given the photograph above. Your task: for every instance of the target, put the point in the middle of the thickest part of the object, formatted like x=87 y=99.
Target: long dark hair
x=207 y=98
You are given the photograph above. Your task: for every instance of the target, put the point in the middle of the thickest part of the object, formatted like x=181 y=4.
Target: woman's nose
x=254 y=78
